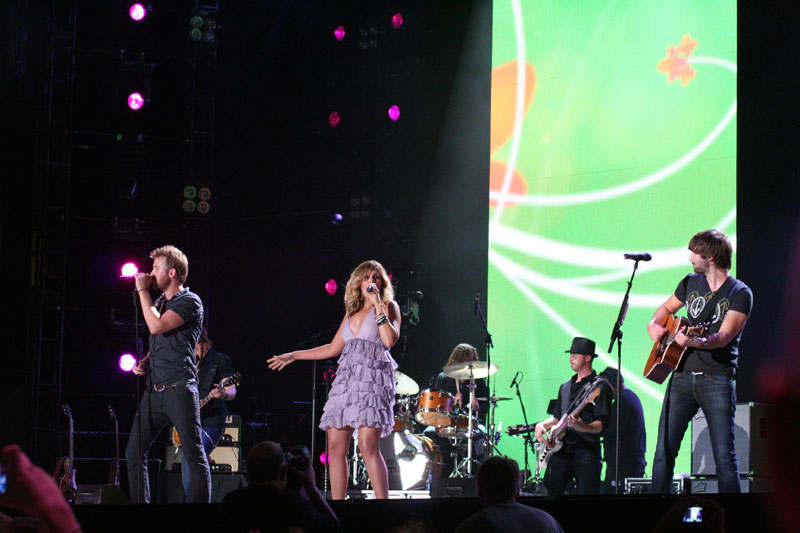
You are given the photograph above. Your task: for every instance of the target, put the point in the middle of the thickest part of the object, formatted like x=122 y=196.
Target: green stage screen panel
x=613 y=130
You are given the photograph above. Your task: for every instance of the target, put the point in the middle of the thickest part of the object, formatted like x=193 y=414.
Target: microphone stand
x=138 y=394
x=527 y=439
x=616 y=335
x=489 y=442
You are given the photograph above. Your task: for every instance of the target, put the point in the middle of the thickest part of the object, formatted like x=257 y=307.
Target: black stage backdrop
x=412 y=194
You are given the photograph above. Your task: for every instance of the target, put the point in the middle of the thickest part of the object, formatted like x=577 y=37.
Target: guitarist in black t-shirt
x=705 y=375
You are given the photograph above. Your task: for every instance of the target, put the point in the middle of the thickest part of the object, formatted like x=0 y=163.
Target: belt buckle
x=156 y=388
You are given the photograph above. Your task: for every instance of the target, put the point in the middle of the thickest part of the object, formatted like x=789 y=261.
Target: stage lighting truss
x=204 y=25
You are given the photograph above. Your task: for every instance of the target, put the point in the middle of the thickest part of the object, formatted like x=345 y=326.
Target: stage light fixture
x=129 y=270
x=203 y=207
x=135 y=101
x=209 y=37
x=339 y=33
x=204 y=194
x=323 y=458
x=397 y=20
x=127 y=362
x=337 y=219
x=137 y=12
x=195 y=35
x=190 y=192
x=394 y=113
x=331 y=286
x=189 y=206
x=333 y=119
x=204 y=25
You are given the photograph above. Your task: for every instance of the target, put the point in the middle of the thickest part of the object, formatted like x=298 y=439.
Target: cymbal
x=470 y=369
x=405 y=385
x=493 y=399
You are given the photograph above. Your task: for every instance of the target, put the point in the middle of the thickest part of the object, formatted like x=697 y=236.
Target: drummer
x=460 y=391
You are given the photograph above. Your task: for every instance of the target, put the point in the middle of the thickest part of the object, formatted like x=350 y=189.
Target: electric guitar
x=224 y=382
x=666 y=354
x=555 y=438
x=65 y=469
x=113 y=472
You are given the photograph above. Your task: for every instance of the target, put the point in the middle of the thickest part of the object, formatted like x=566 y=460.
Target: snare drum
x=434 y=407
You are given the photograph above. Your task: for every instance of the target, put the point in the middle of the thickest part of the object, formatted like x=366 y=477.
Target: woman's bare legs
x=338 y=446
x=369 y=440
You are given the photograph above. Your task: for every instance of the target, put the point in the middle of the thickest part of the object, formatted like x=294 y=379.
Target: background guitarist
x=579 y=457
x=705 y=376
x=212 y=367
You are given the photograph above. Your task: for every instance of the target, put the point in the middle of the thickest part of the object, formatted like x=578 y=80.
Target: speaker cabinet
x=751 y=428
x=457 y=487
x=226 y=457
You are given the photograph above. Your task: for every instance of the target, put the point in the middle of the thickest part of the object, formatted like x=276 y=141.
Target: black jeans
x=573 y=463
x=180 y=406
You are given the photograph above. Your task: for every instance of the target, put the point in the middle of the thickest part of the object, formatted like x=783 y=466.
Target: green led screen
x=613 y=130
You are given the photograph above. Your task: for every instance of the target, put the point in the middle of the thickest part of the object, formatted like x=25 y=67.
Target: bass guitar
x=666 y=354
x=65 y=469
x=224 y=382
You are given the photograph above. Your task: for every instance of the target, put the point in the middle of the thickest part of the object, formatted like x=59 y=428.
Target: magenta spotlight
x=333 y=119
x=129 y=270
x=397 y=20
x=137 y=12
x=127 y=362
x=394 y=113
x=331 y=286
x=339 y=33
x=135 y=101
x=323 y=458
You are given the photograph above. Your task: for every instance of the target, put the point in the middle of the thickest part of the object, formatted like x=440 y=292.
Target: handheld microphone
x=638 y=257
x=514 y=381
x=369 y=289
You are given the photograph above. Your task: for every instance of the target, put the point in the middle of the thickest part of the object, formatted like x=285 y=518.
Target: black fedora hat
x=583 y=346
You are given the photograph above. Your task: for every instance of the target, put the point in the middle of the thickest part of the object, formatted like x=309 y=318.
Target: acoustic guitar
x=666 y=354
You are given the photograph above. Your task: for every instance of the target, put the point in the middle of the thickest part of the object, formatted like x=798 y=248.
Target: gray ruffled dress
x=363 y=390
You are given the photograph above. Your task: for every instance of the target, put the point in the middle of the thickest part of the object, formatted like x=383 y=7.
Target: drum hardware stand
x=458 y=471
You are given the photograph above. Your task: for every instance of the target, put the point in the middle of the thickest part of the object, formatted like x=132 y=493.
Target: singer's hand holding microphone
x=143 y=281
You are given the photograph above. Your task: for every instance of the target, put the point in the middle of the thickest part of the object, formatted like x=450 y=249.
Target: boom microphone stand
x=527 y=438
x=490 y=436
x=616 y=335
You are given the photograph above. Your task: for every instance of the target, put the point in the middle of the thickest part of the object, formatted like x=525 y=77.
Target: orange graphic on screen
x=503 y=112
x=676 y=64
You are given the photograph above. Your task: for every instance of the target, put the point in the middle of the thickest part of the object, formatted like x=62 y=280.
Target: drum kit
x=413 y=458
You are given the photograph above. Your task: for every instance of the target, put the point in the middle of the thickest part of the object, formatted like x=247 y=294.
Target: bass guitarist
x=705 y=375
x=579 y=456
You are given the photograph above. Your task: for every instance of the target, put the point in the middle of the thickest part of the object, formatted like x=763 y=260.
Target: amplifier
x=226 y=457
x=710 y=485
x=644 y=485
x=751 y=427
x=454 y=487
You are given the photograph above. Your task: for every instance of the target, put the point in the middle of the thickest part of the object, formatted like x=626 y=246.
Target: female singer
x=362 y=395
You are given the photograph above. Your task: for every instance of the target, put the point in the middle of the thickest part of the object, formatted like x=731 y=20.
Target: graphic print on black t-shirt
x=696 y=303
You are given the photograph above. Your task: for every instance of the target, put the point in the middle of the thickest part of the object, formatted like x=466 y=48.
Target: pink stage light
x=129 y=270
x=333 y=119
x=397 y=20
x=137 y=12
x=339 y=33
x=323 y=458
x=331 y=286
x=135 y=101
x=394 y=113
x=127 y=362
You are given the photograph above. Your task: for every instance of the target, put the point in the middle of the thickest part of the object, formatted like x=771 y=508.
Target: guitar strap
x=711 y=304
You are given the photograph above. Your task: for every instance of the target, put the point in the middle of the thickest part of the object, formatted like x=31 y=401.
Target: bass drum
x=412 y=460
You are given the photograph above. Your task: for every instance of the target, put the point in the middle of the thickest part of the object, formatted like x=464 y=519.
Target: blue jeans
x=180 y=406
x=716 y=396
x=210 y=436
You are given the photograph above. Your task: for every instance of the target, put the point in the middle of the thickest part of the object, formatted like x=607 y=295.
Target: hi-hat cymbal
x=493 y=399
x=405 y=385
x=470 y=369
